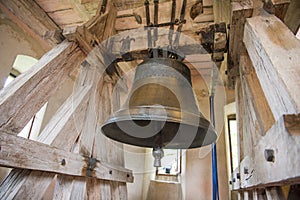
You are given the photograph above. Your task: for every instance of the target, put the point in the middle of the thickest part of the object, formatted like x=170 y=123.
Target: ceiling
x=198 y=14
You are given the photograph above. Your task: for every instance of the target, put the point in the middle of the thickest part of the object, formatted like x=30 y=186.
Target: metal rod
x=168 y=24
x=172 y=21
x=215 y=184
x=156 y=11
x=148 y=24
x=182 y=13
x=147 y=12
x=155 y=51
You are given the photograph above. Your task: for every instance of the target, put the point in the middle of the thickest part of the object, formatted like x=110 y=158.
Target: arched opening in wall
x=22 y=64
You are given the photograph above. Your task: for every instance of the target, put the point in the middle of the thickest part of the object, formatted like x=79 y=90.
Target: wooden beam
x=32 y=18
x=19 y=101
x=264 y=116
x=275 y=160
x=239 y=117
x=239 y=12
x=61 y=132
x=277 y=7
x=274 y=51
x=93 y=32
x=52 y=159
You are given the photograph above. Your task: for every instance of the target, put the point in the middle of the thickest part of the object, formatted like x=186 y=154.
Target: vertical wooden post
x=274 y=51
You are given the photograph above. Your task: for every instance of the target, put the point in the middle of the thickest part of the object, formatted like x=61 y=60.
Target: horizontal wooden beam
x=17 y=152
x=19 y=102
x=275 y=159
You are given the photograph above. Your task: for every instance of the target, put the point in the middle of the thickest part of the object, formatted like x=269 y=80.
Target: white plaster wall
x=14 y=41
x=134 y=160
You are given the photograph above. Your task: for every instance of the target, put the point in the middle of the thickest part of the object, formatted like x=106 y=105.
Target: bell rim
x=203 y=123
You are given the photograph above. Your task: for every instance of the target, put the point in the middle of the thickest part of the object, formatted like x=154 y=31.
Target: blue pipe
x=215 y=184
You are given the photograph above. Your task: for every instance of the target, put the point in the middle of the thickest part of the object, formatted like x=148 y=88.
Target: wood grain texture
x=50 y=159
x=274 y=52
x=61 y=132
x=239 y=12
x=19 y=102
x=264 y=116
x=284 y=169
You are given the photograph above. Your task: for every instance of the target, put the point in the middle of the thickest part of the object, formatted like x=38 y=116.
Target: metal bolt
x=238 y=175
x=269 y=155
x=63 y=162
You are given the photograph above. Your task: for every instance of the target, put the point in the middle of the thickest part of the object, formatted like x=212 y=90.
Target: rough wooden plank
x=82 y=36
x=263 y=112
x=90 y=122
x=94 y=189
x=79 y=190
x=292 y=124
x=275 y=159
x=239 y=117
x=292 y=16
x=62 y=187
x=89 y=76
x=59 y=161
x=12 y=183
x=277 y=7
x=239 y=12
x=30 y=189
x=28 y=12
x=67 y=119
x=19 y=102
x=274 y=51
x=61 y=132
x=108 y=150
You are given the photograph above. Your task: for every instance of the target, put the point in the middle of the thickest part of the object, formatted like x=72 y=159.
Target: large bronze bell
x=161 y=110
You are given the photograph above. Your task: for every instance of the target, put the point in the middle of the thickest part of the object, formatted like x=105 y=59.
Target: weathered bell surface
x=161 y=110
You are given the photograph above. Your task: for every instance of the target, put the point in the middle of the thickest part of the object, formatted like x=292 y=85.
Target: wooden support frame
x=57 y=161
x=239 y=12
x=269 y=91
x=63 y=136
x=274 y=51
x=44 y=77
x=277 y=7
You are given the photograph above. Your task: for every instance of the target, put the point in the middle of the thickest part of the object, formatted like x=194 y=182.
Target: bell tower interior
x=150 y=99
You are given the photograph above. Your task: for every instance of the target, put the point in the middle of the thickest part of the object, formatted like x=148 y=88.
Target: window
x=171 y=163
x=21 y=64
x=233 y=141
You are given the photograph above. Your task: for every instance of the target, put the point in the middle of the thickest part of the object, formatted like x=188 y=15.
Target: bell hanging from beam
x=160 y=111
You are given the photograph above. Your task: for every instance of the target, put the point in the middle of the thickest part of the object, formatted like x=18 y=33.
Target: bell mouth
x=156 y=126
